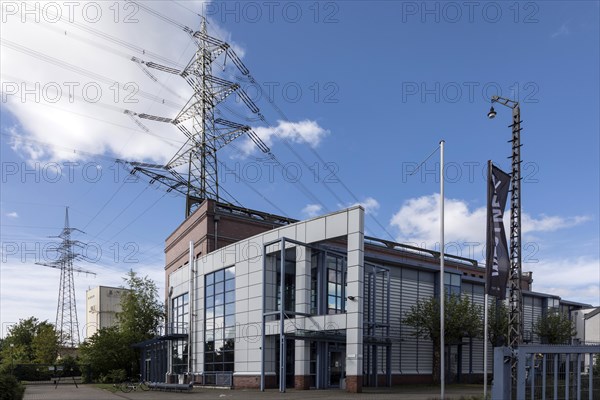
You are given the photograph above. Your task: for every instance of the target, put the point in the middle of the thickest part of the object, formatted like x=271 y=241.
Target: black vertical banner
x=497 y=258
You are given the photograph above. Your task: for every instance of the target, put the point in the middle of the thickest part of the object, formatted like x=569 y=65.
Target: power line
x=82 y=71
x=106 y=203
x=287 y=143
x=105 y=36
x=136 y=218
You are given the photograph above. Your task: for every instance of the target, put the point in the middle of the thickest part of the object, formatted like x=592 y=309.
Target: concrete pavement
x=91 y=392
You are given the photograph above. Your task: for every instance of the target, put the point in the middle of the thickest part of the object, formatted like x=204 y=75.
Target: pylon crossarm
x=163 y=68
x=505 y=102
x=230 y=52
x=181 y=158
x=170 y=182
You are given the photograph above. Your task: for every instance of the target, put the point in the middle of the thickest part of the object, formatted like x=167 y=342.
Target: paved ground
x=90 y=392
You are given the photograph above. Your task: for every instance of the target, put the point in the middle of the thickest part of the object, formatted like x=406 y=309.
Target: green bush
x=115 y=376
x=10 y=388
x=33 y=372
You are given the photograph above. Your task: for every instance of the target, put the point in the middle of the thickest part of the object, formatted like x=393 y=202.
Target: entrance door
x=336 y=363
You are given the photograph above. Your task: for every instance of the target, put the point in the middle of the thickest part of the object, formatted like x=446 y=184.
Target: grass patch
x=106 y=386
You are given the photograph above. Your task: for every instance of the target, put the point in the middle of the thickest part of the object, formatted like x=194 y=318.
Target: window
x=219 y=320
x=180 y=310
x=336 y=285
x=553 y=304
x=314 y=283
x=328 y=284
x=451 y=284
x=289 y=290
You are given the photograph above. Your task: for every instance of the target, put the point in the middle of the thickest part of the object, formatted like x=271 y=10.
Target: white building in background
x=587 y=324
x=102 y=304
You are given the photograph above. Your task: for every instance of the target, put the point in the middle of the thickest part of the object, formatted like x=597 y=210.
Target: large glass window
x=219 y=320
x=328 y=283
x=451 y=284
x=180 y=310
x=336 y=285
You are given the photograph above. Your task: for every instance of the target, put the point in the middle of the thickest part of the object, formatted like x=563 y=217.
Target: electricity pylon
x=205 y=134
x=66 y=324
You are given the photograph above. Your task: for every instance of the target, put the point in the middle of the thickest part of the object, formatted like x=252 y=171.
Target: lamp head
x=492 y=113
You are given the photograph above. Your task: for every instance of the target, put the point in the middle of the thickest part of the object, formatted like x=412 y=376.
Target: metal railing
x=557 y=372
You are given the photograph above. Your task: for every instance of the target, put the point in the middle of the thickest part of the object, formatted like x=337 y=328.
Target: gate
x=548 y=372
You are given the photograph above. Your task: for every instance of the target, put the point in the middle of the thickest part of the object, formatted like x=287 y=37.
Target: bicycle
x=128 y=386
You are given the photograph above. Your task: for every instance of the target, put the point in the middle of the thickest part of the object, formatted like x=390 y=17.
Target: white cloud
x=73 y=101
x=570 y=278
x=12 y=214
x=549 y=223
x=418 y=222
x=576 y=279
x=312 y=210
x=370 y=205
x=306 y=131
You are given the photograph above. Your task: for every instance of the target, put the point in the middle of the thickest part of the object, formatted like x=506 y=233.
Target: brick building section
x=212 y=226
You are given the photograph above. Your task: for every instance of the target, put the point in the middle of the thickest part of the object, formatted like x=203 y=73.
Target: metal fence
x=557 y=372
x=548 y=372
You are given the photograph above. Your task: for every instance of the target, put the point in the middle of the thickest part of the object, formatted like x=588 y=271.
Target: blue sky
x=365 y=89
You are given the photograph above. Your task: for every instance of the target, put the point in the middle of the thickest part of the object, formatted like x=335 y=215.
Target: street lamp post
x=515 y=334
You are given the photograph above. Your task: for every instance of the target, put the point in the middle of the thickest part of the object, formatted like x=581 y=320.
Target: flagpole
x=485 y=313
x=442 y=295
x=485 y=343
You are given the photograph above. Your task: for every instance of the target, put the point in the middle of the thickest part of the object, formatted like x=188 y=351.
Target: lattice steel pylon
x=516 y=295
x=66 y=323
x=515 y=334
x=205 y=134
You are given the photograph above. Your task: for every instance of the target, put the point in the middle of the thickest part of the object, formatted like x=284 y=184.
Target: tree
x=45 y=344
x=30 y=341
x=141 y=311
x=497 y=323
x=554 y=328
x=112 y=348
x=107 y=350
x=462 y=319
